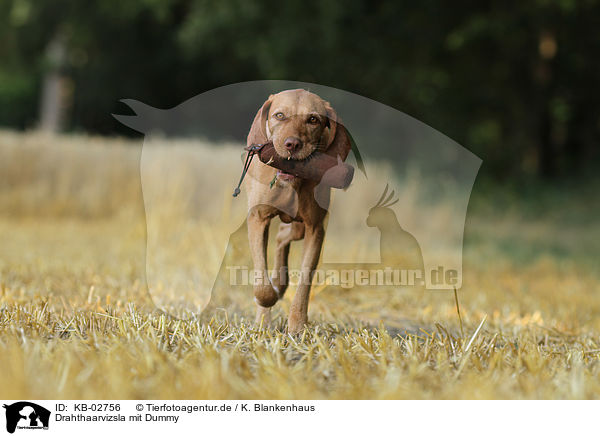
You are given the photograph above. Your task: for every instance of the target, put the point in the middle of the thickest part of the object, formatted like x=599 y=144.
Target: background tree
x=515 y=82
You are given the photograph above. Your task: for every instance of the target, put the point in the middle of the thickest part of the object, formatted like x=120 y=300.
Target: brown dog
x=299 y=123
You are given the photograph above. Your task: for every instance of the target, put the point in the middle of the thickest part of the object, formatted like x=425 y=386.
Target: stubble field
x=76 y=319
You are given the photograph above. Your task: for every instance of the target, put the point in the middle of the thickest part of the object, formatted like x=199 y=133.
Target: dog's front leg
x=313 y=240
x=258 y=236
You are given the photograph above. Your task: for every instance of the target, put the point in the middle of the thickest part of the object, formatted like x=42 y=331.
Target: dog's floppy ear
x=330 y=124
x=338 y=140
x=259 y=131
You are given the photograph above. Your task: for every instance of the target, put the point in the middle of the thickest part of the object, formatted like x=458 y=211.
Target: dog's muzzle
x=314 y=167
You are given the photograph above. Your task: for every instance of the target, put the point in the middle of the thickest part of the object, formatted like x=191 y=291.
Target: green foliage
x=515 y=83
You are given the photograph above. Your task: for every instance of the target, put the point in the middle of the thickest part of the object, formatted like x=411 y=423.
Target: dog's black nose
x=292 y=143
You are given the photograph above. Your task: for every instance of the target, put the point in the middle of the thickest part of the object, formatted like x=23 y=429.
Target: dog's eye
x=279 y=116
x=312 y=120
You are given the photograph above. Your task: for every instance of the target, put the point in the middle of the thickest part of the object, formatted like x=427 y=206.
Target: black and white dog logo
x=26 y=415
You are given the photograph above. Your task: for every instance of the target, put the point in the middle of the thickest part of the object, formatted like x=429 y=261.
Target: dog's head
x=298 y=122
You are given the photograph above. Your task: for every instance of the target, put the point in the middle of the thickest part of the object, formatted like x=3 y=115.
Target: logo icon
x=26 y=415
x=412 y=238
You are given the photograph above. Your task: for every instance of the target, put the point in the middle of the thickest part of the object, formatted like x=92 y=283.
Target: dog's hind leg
x=310 y=258
x=287 y=233
x=263 y=316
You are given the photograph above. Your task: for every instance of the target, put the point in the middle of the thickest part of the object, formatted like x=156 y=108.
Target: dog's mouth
x=302 y=153
x=282 y=175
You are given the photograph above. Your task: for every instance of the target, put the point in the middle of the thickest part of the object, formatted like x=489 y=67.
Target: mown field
x=77 y=321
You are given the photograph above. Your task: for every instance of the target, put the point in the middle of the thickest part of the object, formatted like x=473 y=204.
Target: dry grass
x=76 y=320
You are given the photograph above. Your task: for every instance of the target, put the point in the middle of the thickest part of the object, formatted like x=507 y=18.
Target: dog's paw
x=296 y=324
x=265 y=295
x=280 y=286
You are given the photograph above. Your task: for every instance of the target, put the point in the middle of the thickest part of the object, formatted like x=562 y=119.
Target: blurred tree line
x=515 y=82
